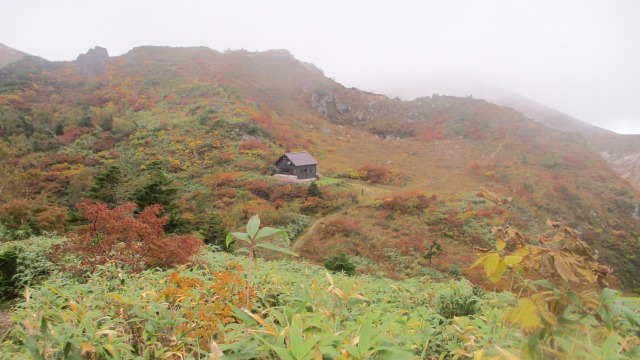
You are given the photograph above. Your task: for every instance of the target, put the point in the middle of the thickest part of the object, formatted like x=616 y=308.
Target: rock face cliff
x=93 y=63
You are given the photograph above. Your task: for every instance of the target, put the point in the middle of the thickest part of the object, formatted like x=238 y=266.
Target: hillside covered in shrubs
x=120 y=186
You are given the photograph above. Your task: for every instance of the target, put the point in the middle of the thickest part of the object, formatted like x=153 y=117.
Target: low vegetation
x=118 y=193
x=213 y=308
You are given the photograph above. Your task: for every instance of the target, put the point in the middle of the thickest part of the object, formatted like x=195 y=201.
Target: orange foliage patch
x=137 y=241
x=409 y=202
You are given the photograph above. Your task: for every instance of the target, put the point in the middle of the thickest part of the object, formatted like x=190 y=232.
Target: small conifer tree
x=314 y=190
x=157 y=190
x=107 y=187
x=59 y=129
x=432 y=250
x=215 y=233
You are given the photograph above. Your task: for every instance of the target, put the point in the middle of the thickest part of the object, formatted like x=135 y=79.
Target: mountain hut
x=300 y=164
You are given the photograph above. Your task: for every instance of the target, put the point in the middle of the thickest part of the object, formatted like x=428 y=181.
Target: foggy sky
x=580 y=57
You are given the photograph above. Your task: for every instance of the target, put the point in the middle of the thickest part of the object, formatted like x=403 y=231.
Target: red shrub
x=103 y=145
x=258 y=188
x=262 y=120
x=433 y=135
x=222 y=179
x=344 y=226
x=71 y=133
x=289 y=192
x=137 y=241
x=410 y=245
x=489 y=211
x=382 y=175
x=16 y=213
x=410 y=202
x=248 y=165
x=253 y=145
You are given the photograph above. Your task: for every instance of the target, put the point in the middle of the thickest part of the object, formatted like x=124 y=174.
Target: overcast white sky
x=578 y=56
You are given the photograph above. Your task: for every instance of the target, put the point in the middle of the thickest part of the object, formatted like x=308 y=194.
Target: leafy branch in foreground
x=559 y=308
x=251 y=237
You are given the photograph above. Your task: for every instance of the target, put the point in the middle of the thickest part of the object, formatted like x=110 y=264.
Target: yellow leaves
x=491 y=263
x=506 y=354
x=73 y=305
x=110 y=349
x=526 y=316
x=270 y=329
x=500 y=244
x=495 y=266
x=344 y=295
x=564 y=267
x=512 y=260
x=498 y=271
x=88 y=349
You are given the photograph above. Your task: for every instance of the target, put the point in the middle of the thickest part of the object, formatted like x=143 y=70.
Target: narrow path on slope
x=365 y=192
x=498 y=149
x=302 y=239
x=5 y=322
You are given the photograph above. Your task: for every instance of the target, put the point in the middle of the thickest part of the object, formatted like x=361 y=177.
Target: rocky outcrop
x=93 y=63
x=320 y=100
x=622 y=152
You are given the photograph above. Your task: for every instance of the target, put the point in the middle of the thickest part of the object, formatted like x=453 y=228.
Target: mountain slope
x=622 y=152
x=9 y=55
x=218 y=121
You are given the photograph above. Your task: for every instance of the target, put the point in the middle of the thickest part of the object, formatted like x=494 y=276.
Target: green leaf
x=353 y=351
x=394 y=354
x=605 y=316
x=609 y=345
x=238 y=235
x=241 y=315
x=365 y=335
x=270 y=246
x=268 y=231
x=43 y=327
x=296 y=340
x=283 y=353
x=533 y=343
x=633 y=353
x=544 y=283
x=253 y=225
x=631 y=317
x=574 y=298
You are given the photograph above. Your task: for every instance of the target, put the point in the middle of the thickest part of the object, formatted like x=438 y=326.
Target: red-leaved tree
x=137 y=241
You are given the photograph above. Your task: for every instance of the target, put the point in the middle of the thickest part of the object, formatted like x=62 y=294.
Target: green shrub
x=454 y=270
x=8 y=268
x=458 y=299
x=340 y=262
x=25 y=263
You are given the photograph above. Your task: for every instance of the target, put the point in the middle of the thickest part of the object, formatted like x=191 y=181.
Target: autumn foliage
x=137 y=241
x=408 y=202
x=216 y=300
x=377 y=174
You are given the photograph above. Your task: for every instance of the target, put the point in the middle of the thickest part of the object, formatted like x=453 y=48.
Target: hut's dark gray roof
x=301 y=158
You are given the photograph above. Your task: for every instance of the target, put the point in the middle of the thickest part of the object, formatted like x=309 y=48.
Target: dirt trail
x=498 y=149
x=5 y=323
x=302 y=239
x=365 y=192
